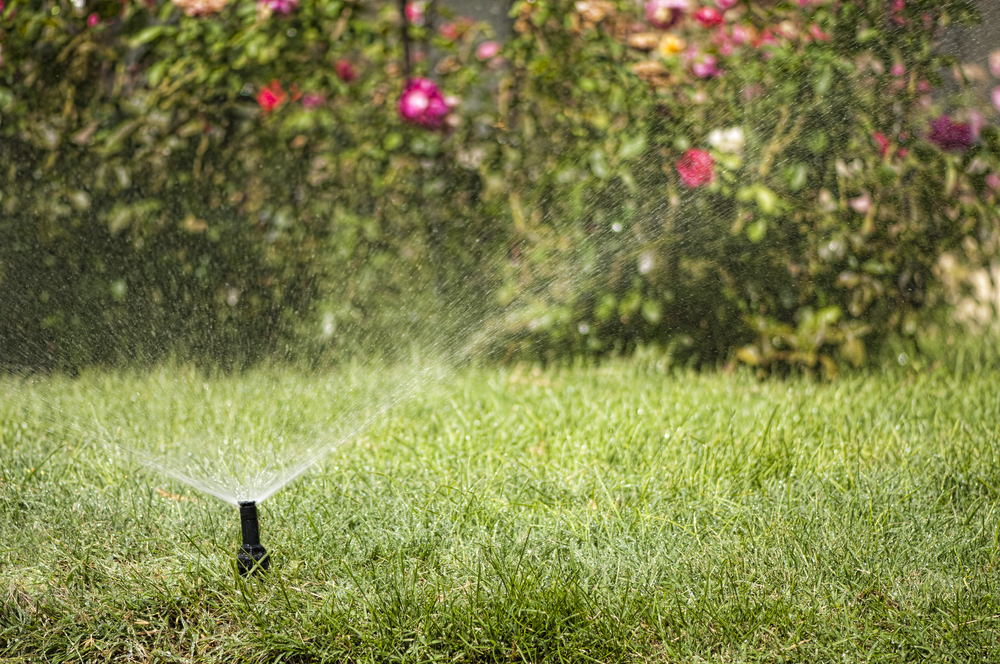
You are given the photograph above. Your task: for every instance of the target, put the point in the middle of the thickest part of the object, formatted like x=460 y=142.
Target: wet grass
x=613 y=514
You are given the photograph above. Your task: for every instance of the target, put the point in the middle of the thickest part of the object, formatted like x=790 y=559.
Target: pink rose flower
x=725 y=4
x=487 y=50
x=993 y=181
x=742 y=35
x=93 y=20
x=696 y=168
x=664 y=14
x=415 y=12
x=897 y=70
x=995 y=96
x=708 y=17
x=704 y=67
x=422 y=103
x=724 y=43
x=862 y=203
x=345 y=71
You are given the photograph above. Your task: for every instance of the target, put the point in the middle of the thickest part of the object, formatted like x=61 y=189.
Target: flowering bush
x=223 y=179
x=775 y=183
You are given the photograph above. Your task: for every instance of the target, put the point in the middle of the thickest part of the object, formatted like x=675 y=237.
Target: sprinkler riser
x=253 y=557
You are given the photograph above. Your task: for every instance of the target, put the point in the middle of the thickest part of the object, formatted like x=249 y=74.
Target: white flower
x=729 y=140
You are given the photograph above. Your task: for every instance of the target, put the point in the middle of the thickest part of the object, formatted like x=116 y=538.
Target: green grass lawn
x=618 y=513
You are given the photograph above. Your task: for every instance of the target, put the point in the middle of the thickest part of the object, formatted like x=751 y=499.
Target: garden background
x=805 y=185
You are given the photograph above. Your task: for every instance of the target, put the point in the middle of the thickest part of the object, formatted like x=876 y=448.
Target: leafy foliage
x=230 y=180
x=813 y=242
x=152 y=204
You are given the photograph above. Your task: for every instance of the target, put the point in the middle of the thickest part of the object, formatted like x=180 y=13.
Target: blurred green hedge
x=152 y=206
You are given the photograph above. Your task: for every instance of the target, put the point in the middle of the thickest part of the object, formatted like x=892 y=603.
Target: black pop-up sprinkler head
x=253 y=557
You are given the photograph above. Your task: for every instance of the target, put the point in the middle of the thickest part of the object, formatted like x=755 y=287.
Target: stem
x=406 y=40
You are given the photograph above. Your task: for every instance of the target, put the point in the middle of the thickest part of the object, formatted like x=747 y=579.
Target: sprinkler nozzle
x=253 y=558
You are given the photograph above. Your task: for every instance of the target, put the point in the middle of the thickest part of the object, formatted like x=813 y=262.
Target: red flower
x=271 y=96
x=709 y=17
x=345 y=71
x=883 y=142
x=696 y=168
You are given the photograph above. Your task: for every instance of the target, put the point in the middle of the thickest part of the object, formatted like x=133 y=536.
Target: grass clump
x=613 y=514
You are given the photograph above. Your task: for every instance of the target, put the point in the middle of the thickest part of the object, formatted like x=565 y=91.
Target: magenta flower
x=708 y=17
x=696 y=168
x=704 y=67
x=280 y=6
x=742 y=35
x=725 y=4
x=664 y=14
x=312 y=100
x=422 y=103
x=949 y=135
x=897 y=11
x=93 y=20
x=415 y=12
x=345 y=71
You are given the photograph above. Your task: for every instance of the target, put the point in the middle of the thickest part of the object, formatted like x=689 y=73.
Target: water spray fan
x=253 y=557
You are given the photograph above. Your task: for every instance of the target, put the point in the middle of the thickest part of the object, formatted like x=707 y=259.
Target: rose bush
x=773 y=183
x=805 y=237
x=223 y=179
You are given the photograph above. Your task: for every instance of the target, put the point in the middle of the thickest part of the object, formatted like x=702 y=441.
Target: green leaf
x=632 y=147
x=757 y=230
x=147 y=35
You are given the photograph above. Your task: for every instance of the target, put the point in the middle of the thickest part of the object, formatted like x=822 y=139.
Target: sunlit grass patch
x=612 y=513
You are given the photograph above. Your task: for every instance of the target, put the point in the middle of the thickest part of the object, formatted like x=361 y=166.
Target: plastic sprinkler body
x=253 y=558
